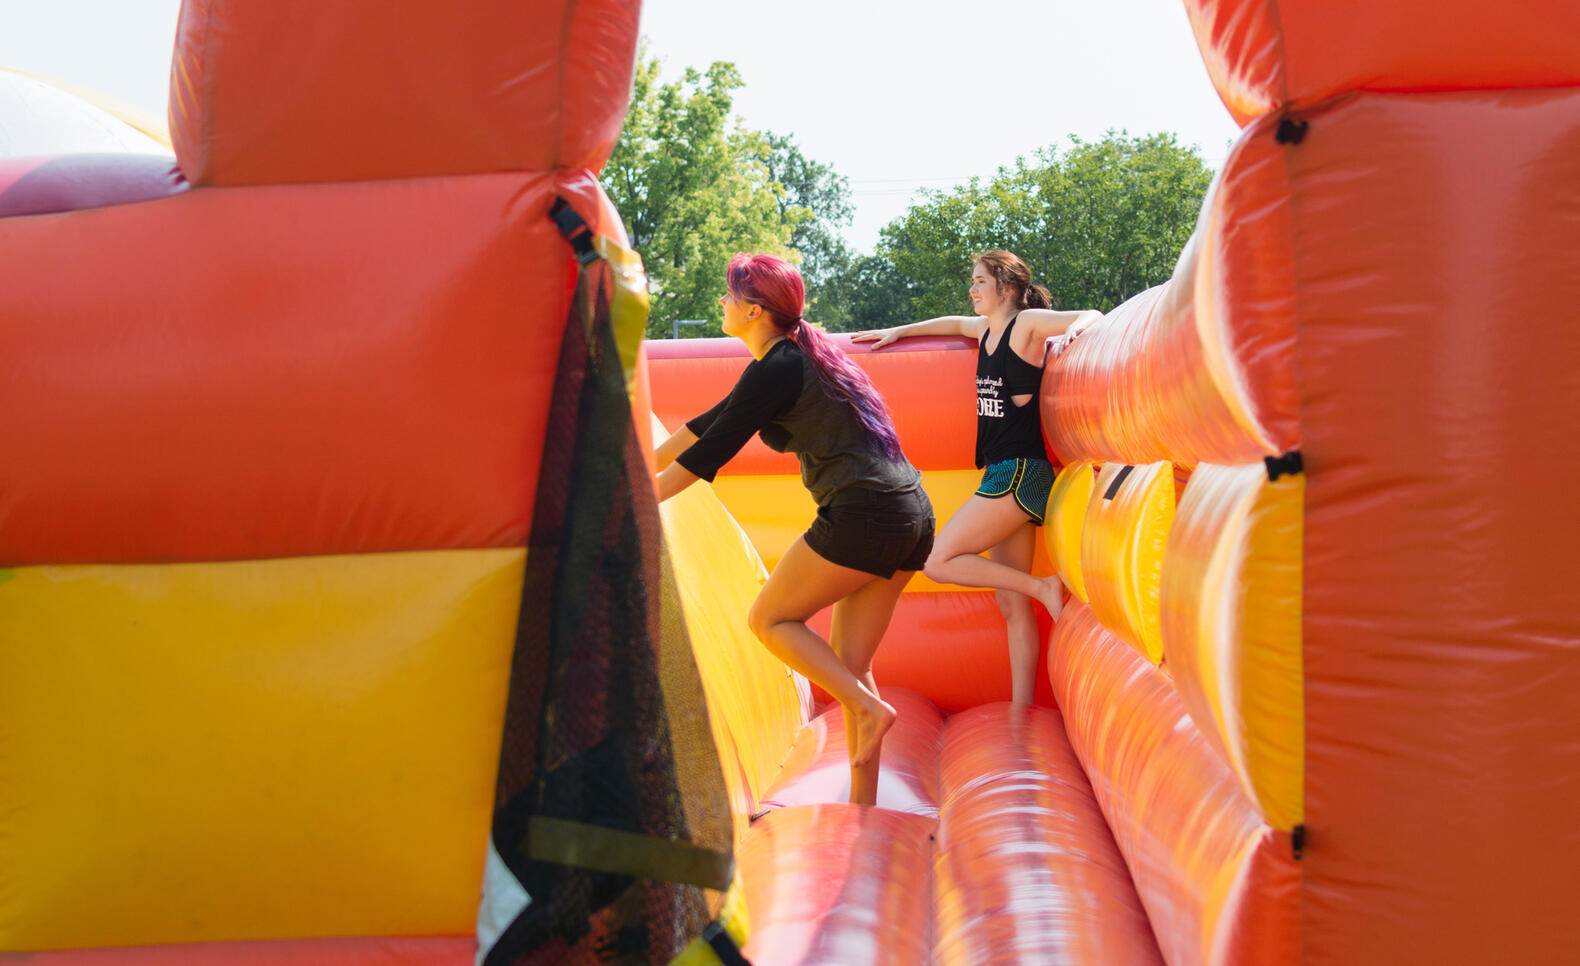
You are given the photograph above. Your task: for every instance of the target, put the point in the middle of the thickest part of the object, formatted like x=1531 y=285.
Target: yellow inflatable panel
x=1231 y=605
x=628 y=309
x=1066 y=522
x=755 y=703
x=772 y=510
x=250 y=750
x=1127 y=527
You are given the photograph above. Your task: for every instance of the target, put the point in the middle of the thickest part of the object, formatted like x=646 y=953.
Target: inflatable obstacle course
x=273 y=432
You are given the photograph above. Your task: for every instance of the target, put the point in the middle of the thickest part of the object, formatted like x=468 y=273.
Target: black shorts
x=876 y=533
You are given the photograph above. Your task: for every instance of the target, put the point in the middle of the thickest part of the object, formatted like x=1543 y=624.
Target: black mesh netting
x=605 y=724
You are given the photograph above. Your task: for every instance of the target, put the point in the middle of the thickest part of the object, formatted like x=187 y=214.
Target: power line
x=909 y=180
x=869 y=192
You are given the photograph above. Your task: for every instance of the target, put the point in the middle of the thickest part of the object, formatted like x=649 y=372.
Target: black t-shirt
x=780 y=398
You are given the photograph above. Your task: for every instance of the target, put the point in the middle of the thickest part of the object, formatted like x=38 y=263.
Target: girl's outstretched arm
x=967 y=325
x=1046 y=323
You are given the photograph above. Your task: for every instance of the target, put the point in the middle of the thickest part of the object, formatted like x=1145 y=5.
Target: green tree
x=1096 y=223
x=870 y=293
x=815 y=203
x=694 y=186
x=693 y=189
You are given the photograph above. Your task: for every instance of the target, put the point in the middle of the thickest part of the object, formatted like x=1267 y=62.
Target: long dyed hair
x=1012 y=275
x=775 y=285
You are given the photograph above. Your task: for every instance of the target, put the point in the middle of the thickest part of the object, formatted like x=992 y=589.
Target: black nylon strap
x=1119 y=480
x=723 y=945
x=575 y=231
x=1291 y=131
x=1289 y=464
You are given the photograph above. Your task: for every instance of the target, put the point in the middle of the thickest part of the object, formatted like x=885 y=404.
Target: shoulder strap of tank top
x=1002 y=339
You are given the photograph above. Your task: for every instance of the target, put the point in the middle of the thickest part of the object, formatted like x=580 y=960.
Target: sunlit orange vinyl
x=324 y=380
x=927 y=384
x=817 y=768
x=685 y=387
x=950 y=646
x=1264 y=55
x=1218 y=884
x=1093 y=407
x=1236 y=279
x=1201 y=367
x=1223 y=393
x=839 y=884
x=1435 y=274
x=283 y=91
x=1027 y=869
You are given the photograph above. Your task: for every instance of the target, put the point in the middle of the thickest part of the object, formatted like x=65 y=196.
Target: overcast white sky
x=897 y=95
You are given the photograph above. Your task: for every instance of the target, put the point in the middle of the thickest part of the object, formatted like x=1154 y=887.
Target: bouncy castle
x=339 y=624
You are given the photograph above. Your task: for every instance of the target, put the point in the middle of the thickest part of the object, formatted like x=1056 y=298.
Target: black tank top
x=1006 y=431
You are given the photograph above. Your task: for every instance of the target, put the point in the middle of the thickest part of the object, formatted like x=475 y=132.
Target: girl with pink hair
x=874 y=524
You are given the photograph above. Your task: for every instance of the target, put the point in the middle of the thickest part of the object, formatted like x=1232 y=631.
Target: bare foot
x=1052 y=595
x=873 y=720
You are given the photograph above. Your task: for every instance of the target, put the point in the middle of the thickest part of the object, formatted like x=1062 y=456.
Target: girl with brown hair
x=1015 y=321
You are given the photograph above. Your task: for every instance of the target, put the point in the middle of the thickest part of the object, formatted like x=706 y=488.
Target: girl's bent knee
x=759 y=620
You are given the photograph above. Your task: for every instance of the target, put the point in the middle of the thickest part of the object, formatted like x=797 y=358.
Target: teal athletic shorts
x=1029 y=480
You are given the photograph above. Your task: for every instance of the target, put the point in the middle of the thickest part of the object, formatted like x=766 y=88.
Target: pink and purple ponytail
x=774 y=284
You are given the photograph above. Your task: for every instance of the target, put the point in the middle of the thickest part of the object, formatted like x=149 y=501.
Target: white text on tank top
x=990 y=397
